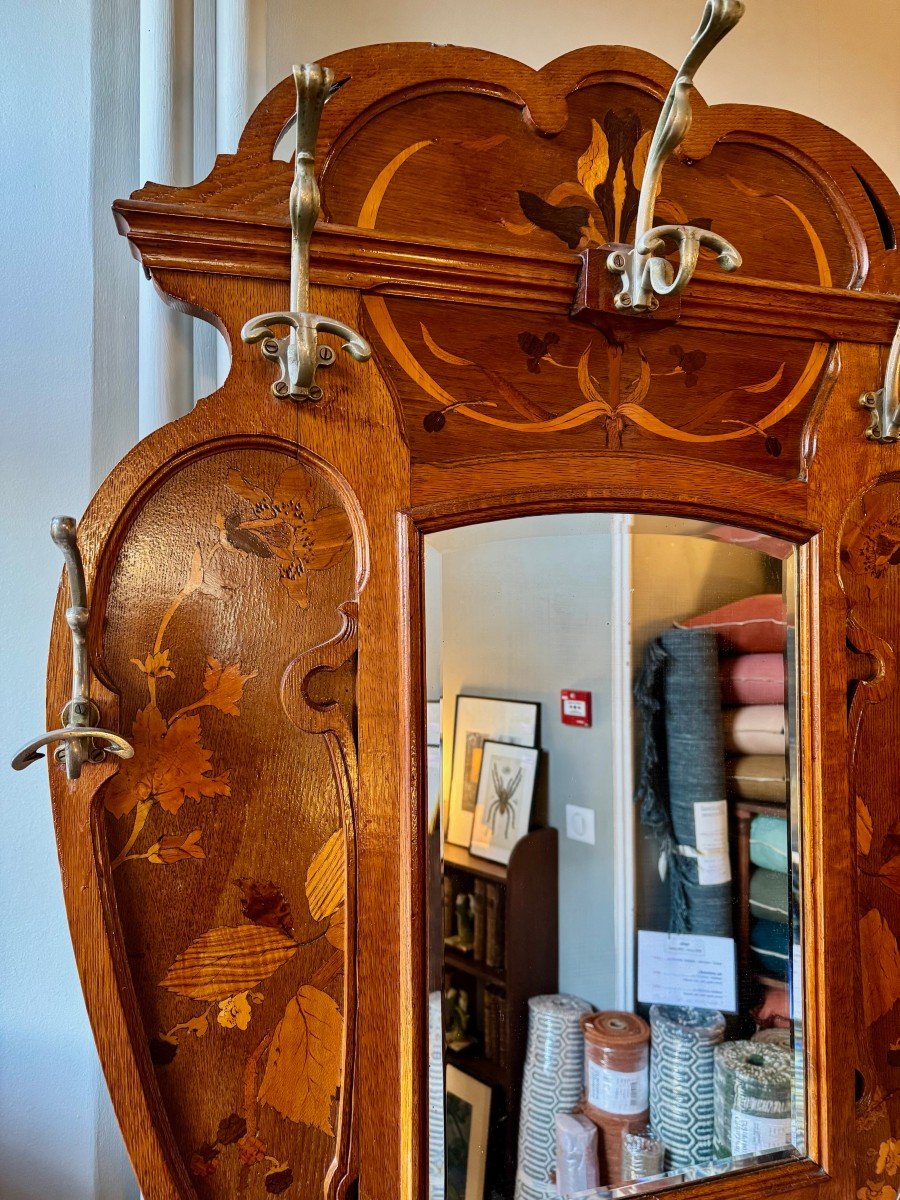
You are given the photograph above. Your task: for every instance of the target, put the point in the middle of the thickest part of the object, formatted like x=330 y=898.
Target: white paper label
x=713 y=868
x=622 y=1092
x=711 y=826
x=711 y=835
x=687 y=969
x=756 y=1135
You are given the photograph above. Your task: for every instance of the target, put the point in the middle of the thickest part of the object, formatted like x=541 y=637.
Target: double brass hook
x=298 y=353
x=644 y=270
x=80 y=738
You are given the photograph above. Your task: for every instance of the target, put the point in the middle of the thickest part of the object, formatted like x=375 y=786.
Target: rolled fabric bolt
x=775 y=1006
x=551 y=1083
x=616 y=1080
x=775 y=1036
x=681 y=786
x=752 y=1098
x=577 y=1167
x=755 y=729
x=643 y=1155
x=682 y=1047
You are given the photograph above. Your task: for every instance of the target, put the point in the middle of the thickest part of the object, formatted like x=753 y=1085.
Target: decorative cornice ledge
x=167 y=237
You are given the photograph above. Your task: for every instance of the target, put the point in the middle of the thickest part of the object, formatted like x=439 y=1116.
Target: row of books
x=495 y=1039
x=473 y=921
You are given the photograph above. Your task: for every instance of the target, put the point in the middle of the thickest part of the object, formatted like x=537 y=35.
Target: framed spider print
x=480 y=719
x=503 y=806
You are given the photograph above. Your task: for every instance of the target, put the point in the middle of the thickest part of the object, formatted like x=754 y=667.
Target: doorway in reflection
x=614 y=914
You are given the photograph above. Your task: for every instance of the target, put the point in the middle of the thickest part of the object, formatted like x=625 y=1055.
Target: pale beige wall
x=835 y=60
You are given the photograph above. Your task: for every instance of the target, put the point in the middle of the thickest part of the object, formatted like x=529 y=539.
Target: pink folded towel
x=755 y=625
x=752 y=679
x=755 y=729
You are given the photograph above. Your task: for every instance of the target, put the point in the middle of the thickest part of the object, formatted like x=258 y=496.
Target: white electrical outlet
x=580 y=824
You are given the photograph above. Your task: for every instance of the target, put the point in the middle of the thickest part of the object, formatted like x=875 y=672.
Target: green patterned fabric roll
x=681 y=1081
x=752 y=1098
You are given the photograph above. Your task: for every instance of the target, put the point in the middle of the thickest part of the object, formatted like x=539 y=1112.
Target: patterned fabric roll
x=435 y=1097
x=551 y=1084
x=752 y=1098
x=681 y=785
x=643 y=1155
x=683 y=1042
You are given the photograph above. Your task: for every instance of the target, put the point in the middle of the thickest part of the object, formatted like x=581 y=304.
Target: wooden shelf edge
x=172 y=237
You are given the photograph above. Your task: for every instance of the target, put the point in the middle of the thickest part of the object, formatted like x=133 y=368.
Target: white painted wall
x=68 y=354
x=523 y=611
x=69 y=411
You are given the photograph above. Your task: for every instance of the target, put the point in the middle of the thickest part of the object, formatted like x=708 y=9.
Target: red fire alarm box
x=575 y=708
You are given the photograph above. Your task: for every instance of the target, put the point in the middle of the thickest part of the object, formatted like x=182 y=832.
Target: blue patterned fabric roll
x=681 y=784
x=682 y=1095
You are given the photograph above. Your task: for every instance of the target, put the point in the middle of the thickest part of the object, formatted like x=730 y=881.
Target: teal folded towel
x=769 y=843
x=770 y=943
x=769 y=895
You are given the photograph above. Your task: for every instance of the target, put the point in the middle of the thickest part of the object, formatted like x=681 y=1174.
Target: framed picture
x=467 y=1122
x=503 y=806
x=480 y=720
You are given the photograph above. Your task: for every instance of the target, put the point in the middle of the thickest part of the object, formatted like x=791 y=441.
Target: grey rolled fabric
x=681 y=784
x=752 y=1098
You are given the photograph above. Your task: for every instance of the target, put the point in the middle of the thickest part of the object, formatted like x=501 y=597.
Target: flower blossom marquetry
x=889 y=1157
x=288 y=527
x=877 y=1190
x=171 y=763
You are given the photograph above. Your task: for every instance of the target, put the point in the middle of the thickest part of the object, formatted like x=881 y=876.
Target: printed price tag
x=687 y=969
x=755 y=1135
x=623 y=1092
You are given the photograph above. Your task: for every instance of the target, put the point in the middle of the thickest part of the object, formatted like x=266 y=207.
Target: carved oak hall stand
x=247 y=892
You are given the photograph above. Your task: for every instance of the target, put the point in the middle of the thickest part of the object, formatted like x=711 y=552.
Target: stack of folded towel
x=751 y=636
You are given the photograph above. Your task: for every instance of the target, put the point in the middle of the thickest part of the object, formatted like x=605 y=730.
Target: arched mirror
x=614 y=917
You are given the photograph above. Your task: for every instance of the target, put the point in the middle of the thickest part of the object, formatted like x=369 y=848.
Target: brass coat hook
x=885 y=403
x=644 y=271
x=298 y=353
x=80 y=715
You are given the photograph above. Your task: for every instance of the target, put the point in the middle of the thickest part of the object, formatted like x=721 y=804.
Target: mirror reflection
x=614 y=926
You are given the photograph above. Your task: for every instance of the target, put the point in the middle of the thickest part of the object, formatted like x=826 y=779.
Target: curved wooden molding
x=238 y=215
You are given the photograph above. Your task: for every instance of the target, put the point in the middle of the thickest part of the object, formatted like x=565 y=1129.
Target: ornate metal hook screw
x=885 y=403
x=298 y=352
x=645 y=273
x=80 y=715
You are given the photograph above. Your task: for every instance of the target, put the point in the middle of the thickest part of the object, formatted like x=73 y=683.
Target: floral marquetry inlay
x=237 y=953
